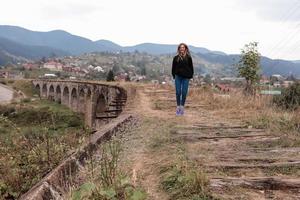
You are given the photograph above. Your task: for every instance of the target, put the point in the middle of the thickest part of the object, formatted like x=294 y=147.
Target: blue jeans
x=182 y=86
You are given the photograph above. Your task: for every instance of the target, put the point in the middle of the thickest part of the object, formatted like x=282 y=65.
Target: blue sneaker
x=178 y=111
x=181 y=110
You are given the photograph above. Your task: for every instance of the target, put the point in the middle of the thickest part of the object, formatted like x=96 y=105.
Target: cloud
x=273 y=10
x=215 y=24
x=69 y=9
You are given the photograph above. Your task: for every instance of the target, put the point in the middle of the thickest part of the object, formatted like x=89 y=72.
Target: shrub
x=290 y=97
x=25 y=100
x=3 y=82
x=73 y=121
x=183 y=182
x=34 y=139
x=6 y=110
x=26 y=116
x=25 y=86
x=39 y=116
x=10 y=81
x=112 y=183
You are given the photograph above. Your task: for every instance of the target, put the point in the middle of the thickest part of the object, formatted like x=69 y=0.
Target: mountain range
x=17 y=43
x=76 y=45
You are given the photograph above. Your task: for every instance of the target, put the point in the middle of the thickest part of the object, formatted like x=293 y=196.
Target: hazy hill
x=268 y=65
x=12 y=51
x=109 y=45
x=6 y=58
x=282 y=67
x=17 y=42
x=57 y=39
x=153 y=48
x=78 y=45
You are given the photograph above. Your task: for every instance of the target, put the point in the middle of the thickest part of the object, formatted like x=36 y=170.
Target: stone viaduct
x=97 y=102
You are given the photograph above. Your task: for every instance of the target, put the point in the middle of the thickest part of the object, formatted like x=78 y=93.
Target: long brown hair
x=187 y=50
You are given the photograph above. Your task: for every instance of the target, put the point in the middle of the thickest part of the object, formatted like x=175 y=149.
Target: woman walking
x=182 y=72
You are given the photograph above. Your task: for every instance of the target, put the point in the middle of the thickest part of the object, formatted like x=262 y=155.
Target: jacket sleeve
x=191 y=66
x=173 y=68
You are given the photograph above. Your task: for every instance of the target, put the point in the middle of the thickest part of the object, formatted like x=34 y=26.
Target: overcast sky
x=224 y=25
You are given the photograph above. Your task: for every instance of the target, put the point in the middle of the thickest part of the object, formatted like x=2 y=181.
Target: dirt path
x=235 y=156
x=139 y=161
x=6 y=95
x=141 y=158
x=239 y=161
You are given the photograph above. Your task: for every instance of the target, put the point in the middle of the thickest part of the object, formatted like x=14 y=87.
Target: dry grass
x=258 y=112
x=162 y=164
x=233 y=100
x=210 y=107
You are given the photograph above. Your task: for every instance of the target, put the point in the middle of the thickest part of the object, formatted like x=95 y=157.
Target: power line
x=282 y=21
x=293 y=50
x=291 y=35
x=287 y=40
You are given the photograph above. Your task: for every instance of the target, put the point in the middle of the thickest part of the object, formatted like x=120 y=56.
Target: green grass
x=184 y=182
x=41 y=112
x=108 y=182
x=34 y=138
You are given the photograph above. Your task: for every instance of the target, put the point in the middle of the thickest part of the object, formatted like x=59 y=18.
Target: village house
x=67 y=68
x=30 y=66
x=99 y=69
x=137 y=78
x=287 y=83
x=53 y=66
x=276 y=78
x=4 y=74
x=222 y=88
x=121 y=77
x=11 y=74
x=264 y=80
x=232 y=79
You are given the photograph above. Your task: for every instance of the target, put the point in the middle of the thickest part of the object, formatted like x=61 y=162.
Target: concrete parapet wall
x=59 y=180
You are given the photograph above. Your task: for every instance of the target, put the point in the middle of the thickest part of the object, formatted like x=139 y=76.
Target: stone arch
x=65 y=96
x=100 y=106
x=81 y=101
x=51 y=93
x=89 y=116
x=97 y=102
x=44 y=90
x=89 y=94
x=104 y=91
x=74 y=99
x=58 y=93
x=121 y=94
x=38 y=89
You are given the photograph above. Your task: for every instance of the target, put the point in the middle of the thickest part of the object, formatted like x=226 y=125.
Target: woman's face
x=182 y=49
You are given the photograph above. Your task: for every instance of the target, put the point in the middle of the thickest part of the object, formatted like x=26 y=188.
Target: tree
x=110 y=76
x=291 y=77
x=207 y=79
x=127 y=78
x=53 y=55
x=44 y=59
x=143 y=71
x=249 y=66
x=116 y=67
x=290 y=97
